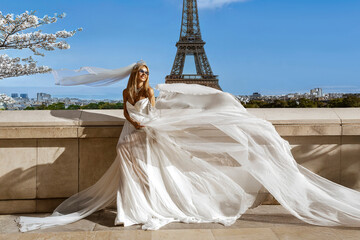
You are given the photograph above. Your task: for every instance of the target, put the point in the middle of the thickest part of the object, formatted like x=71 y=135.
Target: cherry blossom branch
x=11 y=67
x=15 y=33
x=6 y=99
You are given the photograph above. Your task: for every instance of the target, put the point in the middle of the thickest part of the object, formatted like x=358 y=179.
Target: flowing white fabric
x=201 y=157
x=91 y=76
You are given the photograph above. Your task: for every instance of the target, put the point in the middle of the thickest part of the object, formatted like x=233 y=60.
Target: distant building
x=256 y=95
x=335 y=95
x=14 y=95
x=43 y=97
x=24 y=95
x=316 y=92
x=290 y=95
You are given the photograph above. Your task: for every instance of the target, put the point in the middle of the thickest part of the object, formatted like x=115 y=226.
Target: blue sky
x=271 y=47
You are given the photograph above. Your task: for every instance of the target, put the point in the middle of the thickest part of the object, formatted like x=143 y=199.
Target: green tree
x=91 y=106
x=56 y=106
x=119 y=105
x=306 y=103
x=351 y=101
x=293 y=103
x=321 y=104
x=277 y=103
x=111 y=106
x=255 y=104
x=106 y=106
x=251 y=105
x=73 y=107
x=337 y=102
x=41 y=107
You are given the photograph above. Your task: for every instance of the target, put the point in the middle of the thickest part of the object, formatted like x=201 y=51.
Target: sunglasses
x=144 y=72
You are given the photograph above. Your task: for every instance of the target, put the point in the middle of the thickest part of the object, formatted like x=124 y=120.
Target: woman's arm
x=126 y=114
x=151 y=96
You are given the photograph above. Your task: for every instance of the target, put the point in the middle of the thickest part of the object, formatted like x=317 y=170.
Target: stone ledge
x=108 y=123
x=308 y=129
x=50 y=118
x=43 y=144
x=30 y=132
x=17 y=206
x=286 y=116
x=348 y=115
x=39 y=118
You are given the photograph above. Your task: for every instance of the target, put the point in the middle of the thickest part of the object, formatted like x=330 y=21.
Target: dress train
x=203 y=158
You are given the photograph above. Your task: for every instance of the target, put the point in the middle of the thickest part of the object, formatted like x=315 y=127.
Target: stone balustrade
x=46 y=156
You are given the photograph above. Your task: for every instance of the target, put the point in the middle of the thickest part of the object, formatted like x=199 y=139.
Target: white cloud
x=216 y=3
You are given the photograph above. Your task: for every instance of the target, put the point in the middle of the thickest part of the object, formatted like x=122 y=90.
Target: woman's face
x=143 y=74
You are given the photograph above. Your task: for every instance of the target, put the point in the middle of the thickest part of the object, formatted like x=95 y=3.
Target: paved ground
x=268 y=222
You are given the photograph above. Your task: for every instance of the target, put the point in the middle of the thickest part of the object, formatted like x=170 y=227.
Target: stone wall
x=46 y=156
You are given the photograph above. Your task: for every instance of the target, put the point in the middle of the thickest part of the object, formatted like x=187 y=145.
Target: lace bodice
x=142 y=111
x=140 y=106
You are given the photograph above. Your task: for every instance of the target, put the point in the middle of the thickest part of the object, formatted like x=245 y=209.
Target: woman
x=195 y=156
x=137 y=89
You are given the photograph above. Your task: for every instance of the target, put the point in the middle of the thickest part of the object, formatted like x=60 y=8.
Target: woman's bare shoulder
x=125 y=92
x=150 y=91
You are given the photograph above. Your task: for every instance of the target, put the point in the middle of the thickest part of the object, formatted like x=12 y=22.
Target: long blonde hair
x=132 y=83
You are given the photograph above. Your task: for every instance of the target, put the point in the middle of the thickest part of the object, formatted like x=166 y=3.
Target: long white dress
x=203 y=158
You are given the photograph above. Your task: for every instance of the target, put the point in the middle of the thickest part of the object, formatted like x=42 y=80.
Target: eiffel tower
x=191 y=44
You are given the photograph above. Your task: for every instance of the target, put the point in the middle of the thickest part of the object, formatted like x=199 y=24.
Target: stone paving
x=268 y=222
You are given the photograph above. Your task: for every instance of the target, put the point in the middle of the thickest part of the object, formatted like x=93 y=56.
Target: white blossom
x=33 y=20
x=6 y=99
x=15 y=33
x=11 y=67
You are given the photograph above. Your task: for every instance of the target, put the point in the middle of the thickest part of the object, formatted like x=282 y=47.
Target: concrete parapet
x=46 y=156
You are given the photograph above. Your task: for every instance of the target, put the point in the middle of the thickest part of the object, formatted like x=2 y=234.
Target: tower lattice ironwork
x=191 y=44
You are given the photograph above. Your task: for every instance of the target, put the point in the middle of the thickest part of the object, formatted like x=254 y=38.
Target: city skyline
x=44 y=100
x=318 y=92
x=116 y=93
x=118 y=96
x=254 y=46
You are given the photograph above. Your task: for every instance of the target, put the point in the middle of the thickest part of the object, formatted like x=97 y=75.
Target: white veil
x=92 y=76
